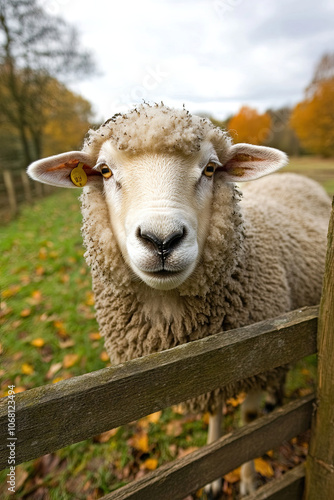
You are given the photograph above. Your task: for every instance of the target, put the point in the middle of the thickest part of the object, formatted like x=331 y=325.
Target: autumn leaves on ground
x=49 y=333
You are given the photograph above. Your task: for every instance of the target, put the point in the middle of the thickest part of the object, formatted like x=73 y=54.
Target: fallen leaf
x=187 y=451
x=178 y=409
x=154 y=417
x=9 y=292
x=140 y=442
x=174 y=428
x=39 y=342
x=233 y=476
x=20 y=477
x=66 y=343
x=25 y=313
x=105 y=436
x=42 y=254
x=57 y=379
x=5 y=309
x=53 y=370
x=90 y=299
x=236 y=401
x=206 y=418
x=37 y=295
x=305 y=391
x=104 y=356
x=58 y=324
x=95 y=336
x=25 y=279
x=70 y=360
x=263 y=467
x=19 y=389
x=27 y=369
x=150 y=463
x=39 y=270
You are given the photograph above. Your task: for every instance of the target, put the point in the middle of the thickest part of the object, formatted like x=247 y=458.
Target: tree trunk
x=320 y=461
x=25 y=144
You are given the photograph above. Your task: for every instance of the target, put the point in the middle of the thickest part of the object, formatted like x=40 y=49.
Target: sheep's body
x=175 y=254
x=263 y=256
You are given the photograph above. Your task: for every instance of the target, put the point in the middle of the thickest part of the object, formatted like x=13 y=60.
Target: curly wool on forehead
x=154 y=128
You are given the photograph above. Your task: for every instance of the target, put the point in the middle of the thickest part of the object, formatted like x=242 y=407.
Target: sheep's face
x=160 y=210
x=159 y=201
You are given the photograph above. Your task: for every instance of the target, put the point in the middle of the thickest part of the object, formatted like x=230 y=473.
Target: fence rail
x=17 y=188
x=53 y=416
x=177 y=479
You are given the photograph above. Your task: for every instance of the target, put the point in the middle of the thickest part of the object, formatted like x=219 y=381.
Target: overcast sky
x=211 y=55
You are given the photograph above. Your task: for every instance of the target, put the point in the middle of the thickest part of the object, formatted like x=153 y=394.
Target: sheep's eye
x=105 y=171
x=210 y=169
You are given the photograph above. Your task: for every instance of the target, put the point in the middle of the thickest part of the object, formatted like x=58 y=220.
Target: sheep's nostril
x=172 y=240
x=162 y=246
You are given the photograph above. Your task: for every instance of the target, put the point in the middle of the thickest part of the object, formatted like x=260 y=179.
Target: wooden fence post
x=7 y=176
x=320 y=461
x=26 y=186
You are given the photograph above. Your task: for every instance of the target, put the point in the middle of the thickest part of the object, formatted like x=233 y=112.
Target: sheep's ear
x=247 y=162
x=73 y=169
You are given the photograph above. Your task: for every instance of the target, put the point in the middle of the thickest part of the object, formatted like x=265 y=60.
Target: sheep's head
x=158 y=191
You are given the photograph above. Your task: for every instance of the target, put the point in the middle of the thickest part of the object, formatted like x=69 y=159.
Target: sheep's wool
x=264 y=255
x=154 y=129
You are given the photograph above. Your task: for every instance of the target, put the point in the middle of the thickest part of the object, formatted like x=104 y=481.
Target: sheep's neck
x=136 y=320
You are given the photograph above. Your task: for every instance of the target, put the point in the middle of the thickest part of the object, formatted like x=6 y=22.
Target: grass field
x=49 y=333
x=319 y=169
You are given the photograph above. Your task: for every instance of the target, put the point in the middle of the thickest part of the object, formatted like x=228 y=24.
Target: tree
x=313 y=118
x=324 y=70
x=250 y=126
x=281 y=134
x=35 y=48
x=66 y=118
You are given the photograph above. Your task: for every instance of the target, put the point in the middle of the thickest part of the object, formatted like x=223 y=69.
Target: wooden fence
x=53 y=416
x=17 y=188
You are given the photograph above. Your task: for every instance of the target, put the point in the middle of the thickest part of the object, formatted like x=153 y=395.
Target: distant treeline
x=308 y=128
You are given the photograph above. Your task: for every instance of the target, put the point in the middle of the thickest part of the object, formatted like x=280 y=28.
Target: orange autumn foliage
x=313 y=119
x=250 y=126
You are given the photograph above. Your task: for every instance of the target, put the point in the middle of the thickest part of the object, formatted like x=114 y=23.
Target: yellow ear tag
x=79 y=176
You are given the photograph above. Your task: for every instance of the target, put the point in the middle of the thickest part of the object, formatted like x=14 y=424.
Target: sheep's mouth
x=164 y=273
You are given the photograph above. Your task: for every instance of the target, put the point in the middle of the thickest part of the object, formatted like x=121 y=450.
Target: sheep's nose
x=162 y=246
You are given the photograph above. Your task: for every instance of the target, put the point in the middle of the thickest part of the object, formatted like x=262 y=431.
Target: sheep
x=177 y=253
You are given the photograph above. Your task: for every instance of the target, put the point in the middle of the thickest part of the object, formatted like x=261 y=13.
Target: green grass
x=46 y=293
x=319 y=169
x=46 y=296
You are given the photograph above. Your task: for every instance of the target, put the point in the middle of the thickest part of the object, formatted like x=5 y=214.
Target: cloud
x=212 y=55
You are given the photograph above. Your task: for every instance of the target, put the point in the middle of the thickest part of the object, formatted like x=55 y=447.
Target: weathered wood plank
x=320 y=460
x=7 y=175
x=26 y=186
x=53 y=416
x=186 y=475
x=288 y=487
